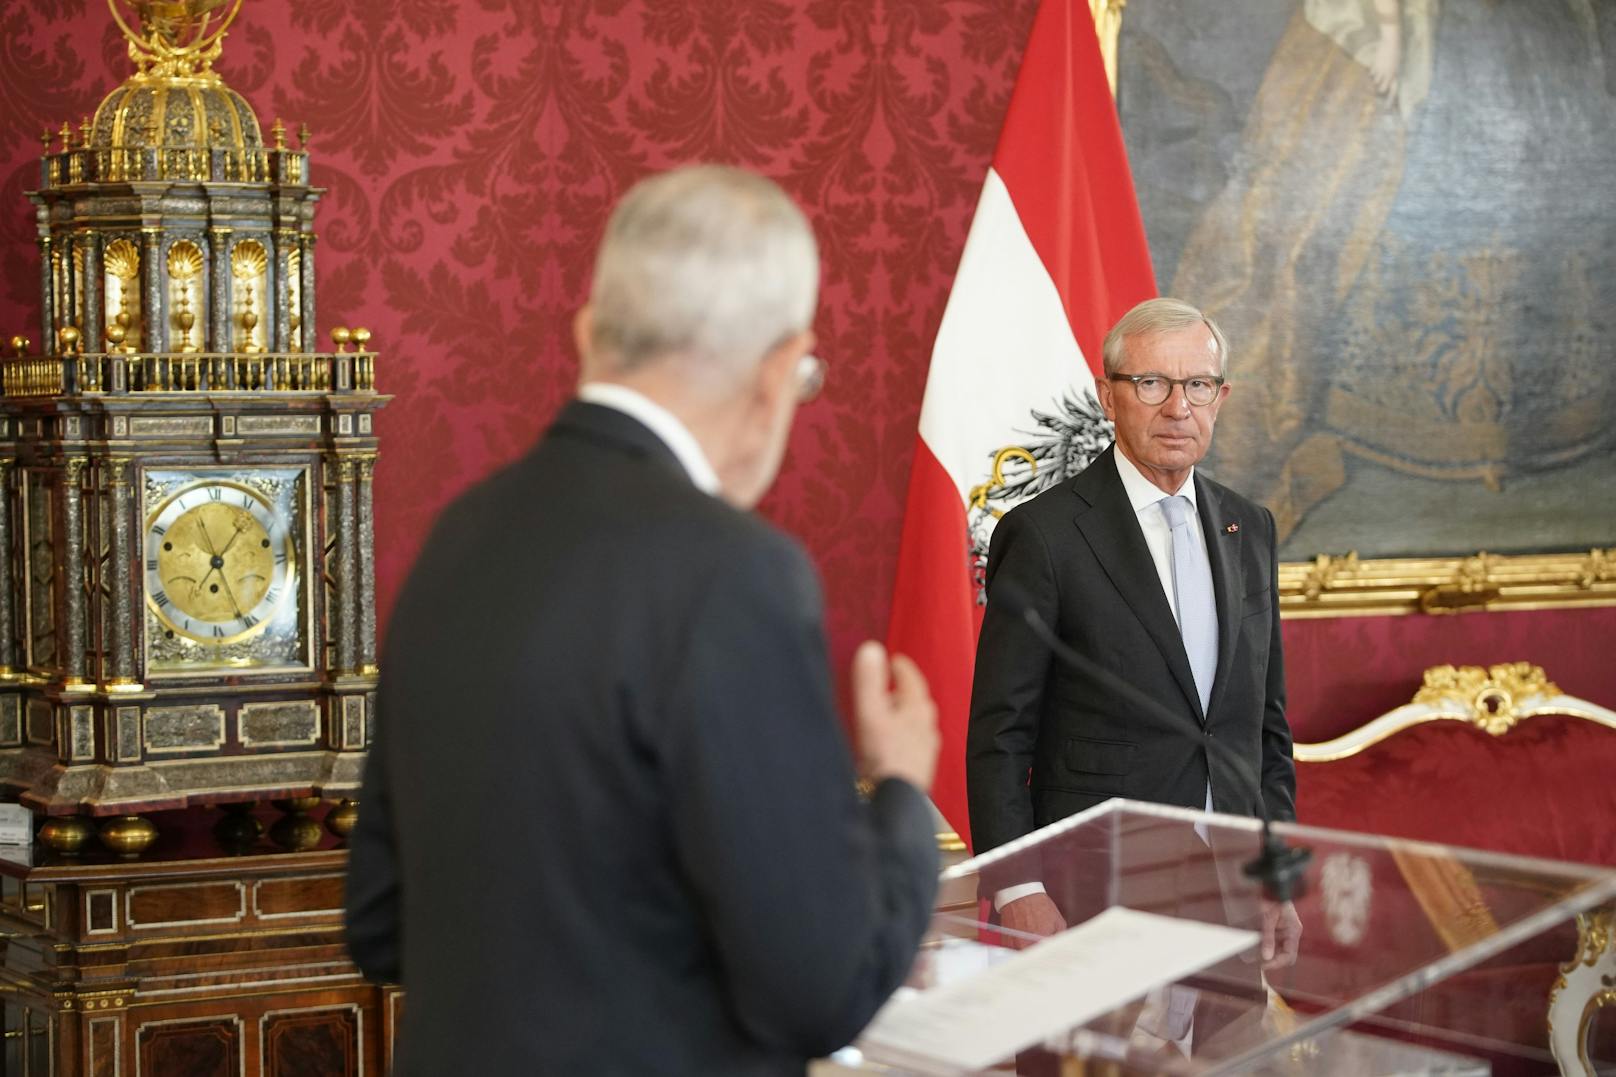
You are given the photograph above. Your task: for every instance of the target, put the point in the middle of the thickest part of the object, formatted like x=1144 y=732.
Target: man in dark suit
x=1165 y=583
x=609 y=822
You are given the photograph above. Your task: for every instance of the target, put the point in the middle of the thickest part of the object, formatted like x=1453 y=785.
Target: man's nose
x=1177 y=404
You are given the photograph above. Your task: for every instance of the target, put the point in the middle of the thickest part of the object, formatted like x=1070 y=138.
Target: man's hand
x=896 y=719
x=1034 y=914
x=1281 y=935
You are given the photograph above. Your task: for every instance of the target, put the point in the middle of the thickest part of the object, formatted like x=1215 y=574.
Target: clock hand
x=203 y=527
x=241 y=526
x=231 y=595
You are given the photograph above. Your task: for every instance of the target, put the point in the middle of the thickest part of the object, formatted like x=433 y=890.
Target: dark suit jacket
x=1077 y=556
x=609 y=823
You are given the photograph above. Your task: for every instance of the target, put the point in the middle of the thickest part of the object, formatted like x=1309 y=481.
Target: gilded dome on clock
x=196 y=112
x=175 y=100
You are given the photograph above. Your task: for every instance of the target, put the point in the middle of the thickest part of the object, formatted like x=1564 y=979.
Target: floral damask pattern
x=470 y=153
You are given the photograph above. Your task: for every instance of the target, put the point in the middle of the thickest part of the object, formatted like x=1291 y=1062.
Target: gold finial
x=175 y=37
x=66 y=135
x=69 y=337
x=84 y=131
x=278 y=132
x=20 y=346
x=340 y=337
x=116 y=334
x=303 y=134
x=361 y=337
x=45 y=139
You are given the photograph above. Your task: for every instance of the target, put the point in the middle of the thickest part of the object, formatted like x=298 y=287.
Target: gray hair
x=1161 y=315
x=705 y=261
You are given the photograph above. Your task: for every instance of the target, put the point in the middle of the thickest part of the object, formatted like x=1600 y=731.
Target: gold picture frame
x=1336 y=585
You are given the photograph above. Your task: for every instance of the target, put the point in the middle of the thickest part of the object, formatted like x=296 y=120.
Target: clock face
x=220 y=562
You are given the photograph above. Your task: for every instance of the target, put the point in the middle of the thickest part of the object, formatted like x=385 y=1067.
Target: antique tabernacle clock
x=187 y=611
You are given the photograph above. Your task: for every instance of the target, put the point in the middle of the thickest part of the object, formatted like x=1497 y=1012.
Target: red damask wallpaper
x=471 y=151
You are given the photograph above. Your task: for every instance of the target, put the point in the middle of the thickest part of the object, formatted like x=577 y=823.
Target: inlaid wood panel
x=312 y=1043
x=206 y=1047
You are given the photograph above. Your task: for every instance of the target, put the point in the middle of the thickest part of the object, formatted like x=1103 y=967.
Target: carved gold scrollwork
x=1330 y=586
x=1491 y=693
x=1494 y=700
x=1596 y=930
x=1586 y=984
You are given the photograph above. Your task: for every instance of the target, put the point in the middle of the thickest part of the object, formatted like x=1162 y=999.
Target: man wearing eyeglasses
x=1164 y=584
x=609 y=822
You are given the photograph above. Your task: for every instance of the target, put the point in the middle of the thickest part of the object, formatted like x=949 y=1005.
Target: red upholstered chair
x=1494 y=759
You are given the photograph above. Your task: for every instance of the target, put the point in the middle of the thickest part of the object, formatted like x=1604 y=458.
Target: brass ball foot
x=128 y=835
x=66 y=834
x=341 y=818
x=297 y=805
x=296 y=833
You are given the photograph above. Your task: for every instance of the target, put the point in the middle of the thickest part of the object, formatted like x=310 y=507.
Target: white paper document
x=1056 y=985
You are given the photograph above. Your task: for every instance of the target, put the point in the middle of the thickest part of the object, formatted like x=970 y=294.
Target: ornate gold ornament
x=1333 y=586
x=176 y=38
x=121 y=262
x=249 y=266
x=1491 y=692
x=184 y=266
x=1494 y=700
x=1586 y=984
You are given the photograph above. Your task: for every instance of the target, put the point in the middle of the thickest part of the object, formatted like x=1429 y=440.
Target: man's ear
x=583 y=339
x=1103 y=390
x=777 y=373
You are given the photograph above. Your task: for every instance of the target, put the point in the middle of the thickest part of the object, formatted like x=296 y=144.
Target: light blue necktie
x=1192 y=591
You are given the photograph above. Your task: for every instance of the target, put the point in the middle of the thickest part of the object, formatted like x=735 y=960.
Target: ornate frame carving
x=1494 y=700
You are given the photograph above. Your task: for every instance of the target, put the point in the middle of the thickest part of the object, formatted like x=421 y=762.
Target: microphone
x=1280 y=868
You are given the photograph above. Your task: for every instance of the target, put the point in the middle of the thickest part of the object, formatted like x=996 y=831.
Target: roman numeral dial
x=217 y=557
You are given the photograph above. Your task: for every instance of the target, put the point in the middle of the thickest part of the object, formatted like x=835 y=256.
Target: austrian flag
x=1055 y=255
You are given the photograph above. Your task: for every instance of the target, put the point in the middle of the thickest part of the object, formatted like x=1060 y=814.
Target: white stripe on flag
x=1004 y=347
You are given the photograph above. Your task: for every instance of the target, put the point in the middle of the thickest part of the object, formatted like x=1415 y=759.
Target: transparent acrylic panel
x=1418 y=947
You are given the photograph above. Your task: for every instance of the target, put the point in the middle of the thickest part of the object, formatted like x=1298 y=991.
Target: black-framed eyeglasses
x=810 y=377
x=1153 y=389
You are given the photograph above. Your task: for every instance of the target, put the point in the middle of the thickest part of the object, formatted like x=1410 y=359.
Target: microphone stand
x=1279 y=868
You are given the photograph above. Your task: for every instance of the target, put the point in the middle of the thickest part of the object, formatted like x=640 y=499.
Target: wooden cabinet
x=186 y=962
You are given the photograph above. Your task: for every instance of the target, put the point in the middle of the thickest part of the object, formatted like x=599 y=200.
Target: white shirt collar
x=661 y=422
x=1142 y=493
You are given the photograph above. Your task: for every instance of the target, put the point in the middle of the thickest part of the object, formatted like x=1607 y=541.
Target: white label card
x=1058 y=984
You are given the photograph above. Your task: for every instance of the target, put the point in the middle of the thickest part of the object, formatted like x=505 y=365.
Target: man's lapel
x=1108 y=522
x=1228 y=579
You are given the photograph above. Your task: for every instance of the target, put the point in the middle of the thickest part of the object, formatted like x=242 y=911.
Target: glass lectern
x=1409 y=958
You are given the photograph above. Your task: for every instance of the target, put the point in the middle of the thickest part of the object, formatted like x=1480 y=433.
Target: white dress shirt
x=1146 y=498
x=661 y=422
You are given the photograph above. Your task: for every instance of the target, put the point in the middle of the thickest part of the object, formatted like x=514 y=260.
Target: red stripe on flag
x=1062 y=158
x=935 y=618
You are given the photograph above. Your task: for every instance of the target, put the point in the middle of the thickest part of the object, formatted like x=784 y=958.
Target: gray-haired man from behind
x=609 y=822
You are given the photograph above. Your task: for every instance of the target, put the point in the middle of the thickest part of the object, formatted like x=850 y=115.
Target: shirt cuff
x=1012 y=893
